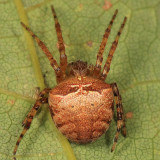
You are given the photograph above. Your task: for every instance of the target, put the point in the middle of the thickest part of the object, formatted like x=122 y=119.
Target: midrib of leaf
x=31 y=48
x=38 y=74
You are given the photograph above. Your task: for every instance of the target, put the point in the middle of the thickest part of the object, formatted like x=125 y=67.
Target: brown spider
x=82 y=104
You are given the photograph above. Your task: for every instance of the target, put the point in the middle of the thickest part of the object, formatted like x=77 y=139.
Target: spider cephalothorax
x=79 y=68
x=82 y=104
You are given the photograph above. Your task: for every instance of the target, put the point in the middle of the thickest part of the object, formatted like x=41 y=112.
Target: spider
x=82 y=103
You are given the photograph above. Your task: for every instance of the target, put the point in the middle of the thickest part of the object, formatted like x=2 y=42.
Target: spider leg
x=111 y=52
x=90 y=69
x=27 y=122
x=37 y=92
x=120 y=115
x=63 y=57
x=99 y=60
x=53 y=62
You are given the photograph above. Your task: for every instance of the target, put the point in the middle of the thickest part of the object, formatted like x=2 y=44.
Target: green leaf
x=135 y=68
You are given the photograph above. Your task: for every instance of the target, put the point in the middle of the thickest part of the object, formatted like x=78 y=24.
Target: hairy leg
x=99 y=60
x=63 y=57
x=28 y=120
x=53 y=62
x=111 y=52
x=90 y=69
x=120 y=114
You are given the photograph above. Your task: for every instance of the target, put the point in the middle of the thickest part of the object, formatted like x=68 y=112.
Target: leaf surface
x=135 y=68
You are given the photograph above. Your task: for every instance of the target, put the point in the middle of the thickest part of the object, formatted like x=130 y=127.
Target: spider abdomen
x=82 y=113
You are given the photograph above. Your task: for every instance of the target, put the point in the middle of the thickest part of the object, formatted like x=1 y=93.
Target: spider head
x=79 y=68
